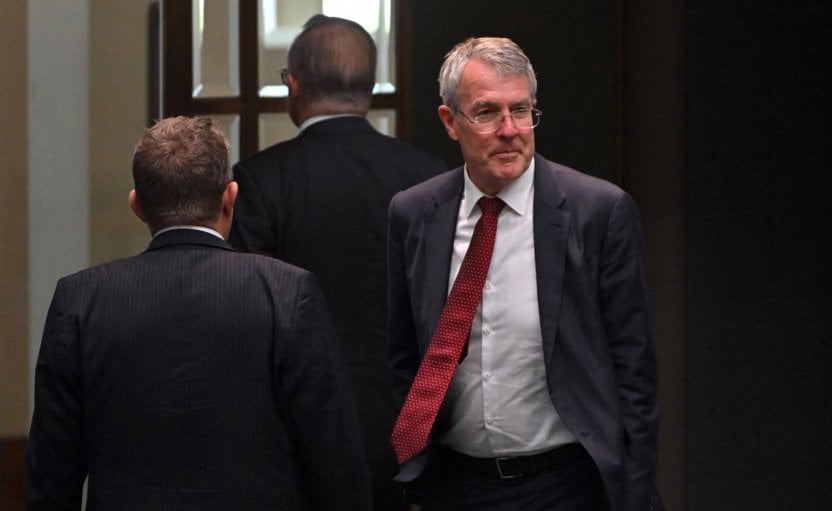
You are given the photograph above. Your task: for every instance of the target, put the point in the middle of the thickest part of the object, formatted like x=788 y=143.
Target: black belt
x=515 y=466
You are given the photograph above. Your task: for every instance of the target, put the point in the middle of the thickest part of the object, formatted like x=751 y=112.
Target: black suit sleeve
x=56 y=462
x=252 y=229
x=321 y=410
x=403 y=349
x=625 y=305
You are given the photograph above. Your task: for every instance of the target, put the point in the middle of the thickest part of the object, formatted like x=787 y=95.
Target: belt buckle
x=500 y=469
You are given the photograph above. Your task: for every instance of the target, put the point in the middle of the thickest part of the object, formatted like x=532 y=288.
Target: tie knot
x=491 y=205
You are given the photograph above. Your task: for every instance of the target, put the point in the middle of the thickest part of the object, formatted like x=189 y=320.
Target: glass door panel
x=384 y=121
x=216 y=50
x=282 y=20
x=275 y=128
x=231 y=125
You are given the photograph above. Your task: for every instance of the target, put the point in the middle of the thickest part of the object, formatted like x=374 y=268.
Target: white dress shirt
x=498 y=403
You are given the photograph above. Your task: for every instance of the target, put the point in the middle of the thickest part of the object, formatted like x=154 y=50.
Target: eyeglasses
x=489 y=122
x=284 y=76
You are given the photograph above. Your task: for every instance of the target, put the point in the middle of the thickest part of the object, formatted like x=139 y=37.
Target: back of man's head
x=334 y=60
x=180 y=171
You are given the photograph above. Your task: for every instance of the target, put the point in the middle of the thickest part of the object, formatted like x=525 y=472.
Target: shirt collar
x=318 y=118
x=517 y=195
x=192 y=227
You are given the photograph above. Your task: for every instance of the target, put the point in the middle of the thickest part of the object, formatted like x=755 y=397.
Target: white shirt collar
x=318 y=118
x=192 y=227
x=515 y=195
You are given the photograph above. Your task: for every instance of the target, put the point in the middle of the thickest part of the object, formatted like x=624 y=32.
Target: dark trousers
x=389 y=497
x=568 y=481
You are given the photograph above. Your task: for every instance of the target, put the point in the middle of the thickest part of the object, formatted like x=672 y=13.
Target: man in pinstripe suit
x=191 y=376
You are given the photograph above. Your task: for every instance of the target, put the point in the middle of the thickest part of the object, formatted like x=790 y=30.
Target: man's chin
x=511 y=168
x=510 y=160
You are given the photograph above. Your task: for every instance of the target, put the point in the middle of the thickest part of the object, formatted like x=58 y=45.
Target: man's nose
x=507 y=126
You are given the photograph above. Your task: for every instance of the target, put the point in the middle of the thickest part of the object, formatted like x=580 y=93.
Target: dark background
x=715 y=116
x=759 y=298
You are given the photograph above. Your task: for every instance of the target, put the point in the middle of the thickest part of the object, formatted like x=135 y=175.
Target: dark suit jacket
x=193 y=377
x=594 y=311
x=319 y=201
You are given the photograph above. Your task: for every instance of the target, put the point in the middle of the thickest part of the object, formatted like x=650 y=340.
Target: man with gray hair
x=519 y=315
x=319 y=201
x=191 y=376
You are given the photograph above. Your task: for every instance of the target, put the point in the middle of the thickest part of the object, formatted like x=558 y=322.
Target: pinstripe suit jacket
x=193 y=377
x=594 y=311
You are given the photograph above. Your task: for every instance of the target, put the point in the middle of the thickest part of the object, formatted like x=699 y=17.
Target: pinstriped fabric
x=194 y=377
x=436 y=370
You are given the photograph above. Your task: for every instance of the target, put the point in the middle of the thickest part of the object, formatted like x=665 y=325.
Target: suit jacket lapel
x=551 y=228
x=440 y=226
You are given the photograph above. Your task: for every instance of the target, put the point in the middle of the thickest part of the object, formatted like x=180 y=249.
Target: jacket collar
x=340 y=124
x=185 y=236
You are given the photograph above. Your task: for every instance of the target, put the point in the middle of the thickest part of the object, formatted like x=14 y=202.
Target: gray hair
x=501 y=53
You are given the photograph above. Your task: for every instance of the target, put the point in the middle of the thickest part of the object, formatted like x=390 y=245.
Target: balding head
x=334 y=62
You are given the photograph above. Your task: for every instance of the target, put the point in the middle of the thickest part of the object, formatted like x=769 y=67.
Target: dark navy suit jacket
x=193 y=377
x=594 y=311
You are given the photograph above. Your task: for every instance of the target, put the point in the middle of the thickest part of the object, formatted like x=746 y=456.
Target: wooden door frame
x=176 y=72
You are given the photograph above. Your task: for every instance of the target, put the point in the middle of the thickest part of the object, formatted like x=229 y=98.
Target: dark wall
x=759 y=271
x=572 y=47
x=753 y=385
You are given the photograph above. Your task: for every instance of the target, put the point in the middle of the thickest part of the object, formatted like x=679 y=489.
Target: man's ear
x=223 y=222
x=446 y=113
x=292 y=84
x=133 y=200
x=228 y=198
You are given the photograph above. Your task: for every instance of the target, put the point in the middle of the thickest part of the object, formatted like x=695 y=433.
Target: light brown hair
x=180 y=170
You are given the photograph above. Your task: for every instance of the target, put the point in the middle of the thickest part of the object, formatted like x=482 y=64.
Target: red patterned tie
x=410 y=435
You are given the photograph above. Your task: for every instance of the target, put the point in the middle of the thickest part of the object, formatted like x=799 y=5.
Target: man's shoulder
x=269 y=157
x=267 y=264
x=321 y=142
x=570 y=180
x=152 y=260
x=410 y=152
x=101 y=271
x=376 y=146
x=437 y=188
